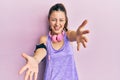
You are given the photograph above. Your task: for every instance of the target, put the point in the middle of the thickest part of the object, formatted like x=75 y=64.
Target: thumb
x=25 y=56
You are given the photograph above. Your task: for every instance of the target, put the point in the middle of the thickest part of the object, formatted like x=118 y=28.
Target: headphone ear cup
x=54 y=38
x=59 y=37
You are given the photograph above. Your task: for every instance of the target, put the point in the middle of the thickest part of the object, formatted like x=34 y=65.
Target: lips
x=57 y=28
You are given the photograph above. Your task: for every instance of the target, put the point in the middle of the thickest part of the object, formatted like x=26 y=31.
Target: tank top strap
x=65 y=37
x=48 y=42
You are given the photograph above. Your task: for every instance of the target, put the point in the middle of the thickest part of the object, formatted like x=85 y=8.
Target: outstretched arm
x=40 y=53
x=79 y=35
x=32 y=62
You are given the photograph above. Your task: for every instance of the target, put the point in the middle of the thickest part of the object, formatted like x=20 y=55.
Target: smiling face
x=57 y=21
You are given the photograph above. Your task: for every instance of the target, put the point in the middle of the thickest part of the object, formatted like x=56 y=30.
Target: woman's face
x=57 y=21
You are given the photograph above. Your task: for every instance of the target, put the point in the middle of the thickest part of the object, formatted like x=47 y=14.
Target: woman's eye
x=61 y=20
x=53 y=19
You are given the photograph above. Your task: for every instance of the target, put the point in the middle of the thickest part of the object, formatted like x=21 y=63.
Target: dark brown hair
x=59 y=7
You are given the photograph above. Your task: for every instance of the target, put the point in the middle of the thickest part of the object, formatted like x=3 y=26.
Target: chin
x=57 y=32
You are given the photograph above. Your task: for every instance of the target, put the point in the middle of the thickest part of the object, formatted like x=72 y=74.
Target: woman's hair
x=59 y=7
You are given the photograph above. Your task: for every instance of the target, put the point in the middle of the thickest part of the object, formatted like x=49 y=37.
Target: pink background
x=22 y=22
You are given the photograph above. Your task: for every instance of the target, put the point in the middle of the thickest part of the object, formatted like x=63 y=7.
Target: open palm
x=81 y=38
x=31 y=67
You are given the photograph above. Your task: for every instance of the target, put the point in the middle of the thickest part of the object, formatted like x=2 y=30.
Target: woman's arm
x=40 y=53
x=31 y=66
x=71 y=35
x=78 y=35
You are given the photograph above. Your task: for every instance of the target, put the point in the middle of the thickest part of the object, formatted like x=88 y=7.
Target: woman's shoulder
x=43 y=39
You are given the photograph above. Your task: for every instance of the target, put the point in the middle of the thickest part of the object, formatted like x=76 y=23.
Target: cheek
x=52 y=23
x=63 y=23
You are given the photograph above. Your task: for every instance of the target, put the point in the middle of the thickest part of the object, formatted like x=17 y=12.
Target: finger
x=25 y=56
x=83 y=24
x=27 y=75
x=35 y=76
x=78 y=46
x=83 y=43
x=85 y=39
x=31 y=75
x=78 y=43
x=23 y=69
x=85 y=32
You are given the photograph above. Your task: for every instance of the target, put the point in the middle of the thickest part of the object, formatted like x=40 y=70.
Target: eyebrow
x=55 y=18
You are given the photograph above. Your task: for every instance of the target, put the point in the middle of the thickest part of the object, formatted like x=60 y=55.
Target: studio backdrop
x=23 y=22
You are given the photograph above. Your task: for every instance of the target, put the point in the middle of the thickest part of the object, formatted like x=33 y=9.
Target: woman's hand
x=31 y=67
x=81 y=38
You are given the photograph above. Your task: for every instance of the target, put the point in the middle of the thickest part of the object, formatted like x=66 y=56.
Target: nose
x=57 y=22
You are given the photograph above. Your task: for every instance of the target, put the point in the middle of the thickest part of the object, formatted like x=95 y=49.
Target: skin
x=57 y=21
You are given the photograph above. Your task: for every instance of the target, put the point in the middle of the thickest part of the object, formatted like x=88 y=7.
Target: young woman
x=56 y=49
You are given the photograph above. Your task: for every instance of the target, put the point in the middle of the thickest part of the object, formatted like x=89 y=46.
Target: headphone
x=56 y=38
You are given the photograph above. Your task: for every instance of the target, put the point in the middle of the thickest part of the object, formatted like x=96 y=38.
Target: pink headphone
x=57 y=38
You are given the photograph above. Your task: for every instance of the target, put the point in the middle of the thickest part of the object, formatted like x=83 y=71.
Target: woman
x=55 y=48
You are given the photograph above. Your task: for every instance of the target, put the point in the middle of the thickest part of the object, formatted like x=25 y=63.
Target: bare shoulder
x=43 y=39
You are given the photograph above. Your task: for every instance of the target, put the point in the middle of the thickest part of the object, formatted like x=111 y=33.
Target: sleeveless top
x=60 y=63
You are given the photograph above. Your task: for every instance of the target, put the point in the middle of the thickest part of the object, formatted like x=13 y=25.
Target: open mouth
x=56 y=28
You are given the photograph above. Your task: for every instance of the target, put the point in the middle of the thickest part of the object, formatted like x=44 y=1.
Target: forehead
x=56 y=14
